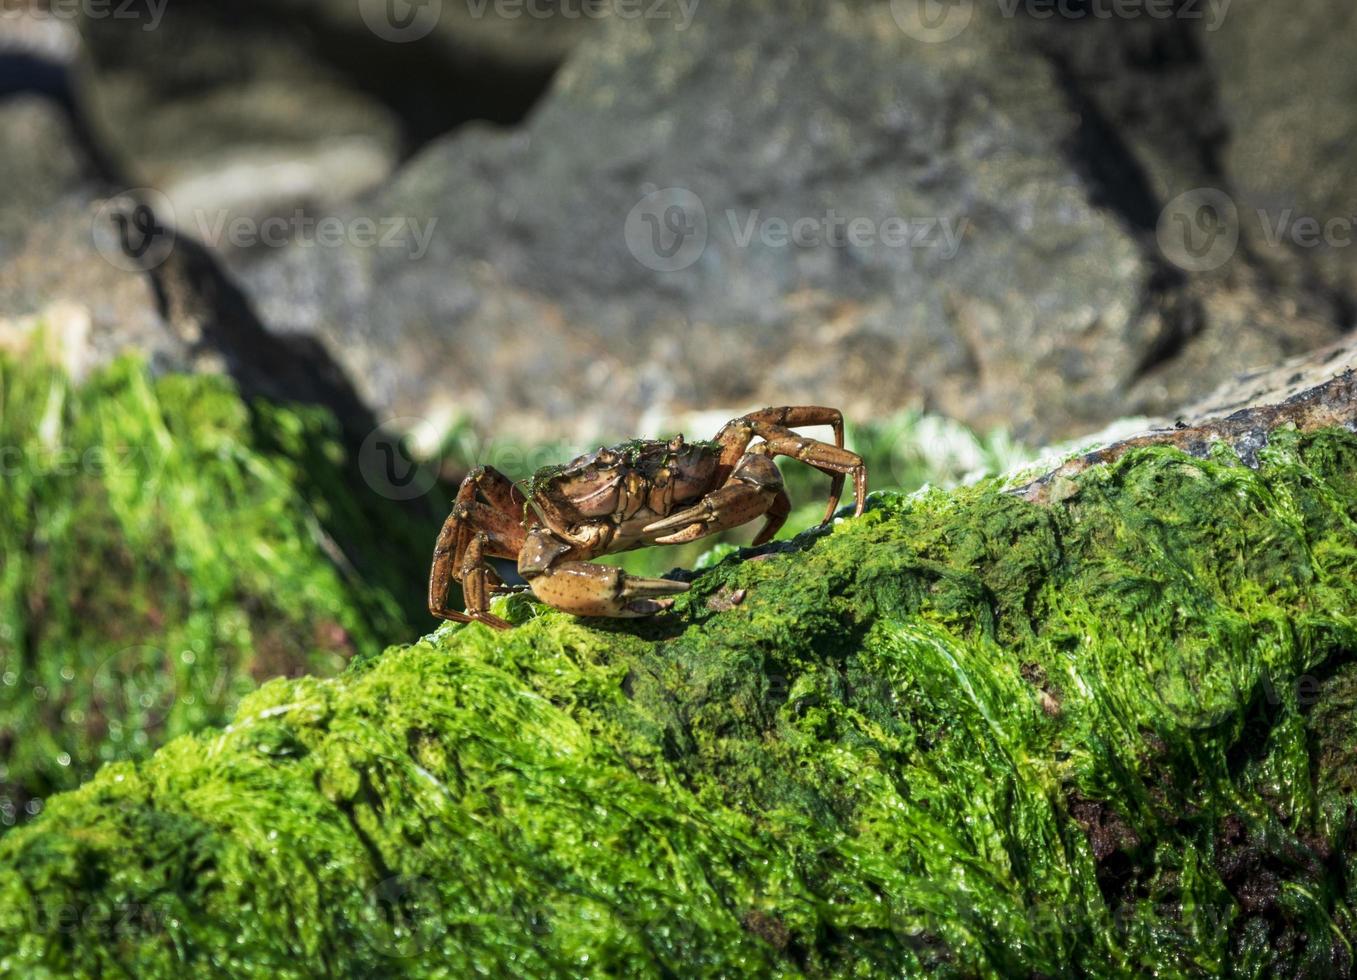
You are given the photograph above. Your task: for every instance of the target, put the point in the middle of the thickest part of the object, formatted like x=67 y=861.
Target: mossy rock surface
x=962 y=735
x=164 y=548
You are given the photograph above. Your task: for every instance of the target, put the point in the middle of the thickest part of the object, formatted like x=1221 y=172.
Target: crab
x=634 y=495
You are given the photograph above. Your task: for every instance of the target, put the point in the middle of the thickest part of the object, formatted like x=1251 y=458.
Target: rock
x=1308 y=393
x=229 y=118
x=1150 y=121
x=167 y=300
x=1287 y=83
x=86 y=284
x=46 y=152
x=494 y=37
x=255 y=112
x=964 y=734
x=65 y=286
x=37 y=50
x=1239 y=321
x=542 y=307
x=43 y=164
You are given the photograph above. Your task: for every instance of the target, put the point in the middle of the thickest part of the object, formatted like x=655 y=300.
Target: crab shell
x=632 y=485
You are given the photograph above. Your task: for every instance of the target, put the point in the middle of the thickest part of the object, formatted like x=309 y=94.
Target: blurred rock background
x=510 y=154
x=497 y=230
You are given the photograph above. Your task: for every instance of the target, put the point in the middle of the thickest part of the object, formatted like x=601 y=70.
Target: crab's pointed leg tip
x=648 y=607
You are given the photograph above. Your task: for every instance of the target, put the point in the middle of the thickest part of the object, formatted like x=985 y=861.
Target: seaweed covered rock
x=966 y=734
x=164 y=548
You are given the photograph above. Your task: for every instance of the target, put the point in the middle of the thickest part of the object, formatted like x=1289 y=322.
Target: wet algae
x=164 y=546
x=962 y=735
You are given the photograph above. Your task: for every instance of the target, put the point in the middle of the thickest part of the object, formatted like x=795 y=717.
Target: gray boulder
x=46 y=155
x=1288 y=84
x=43 y=164
x=250 y=111
x=780 y=203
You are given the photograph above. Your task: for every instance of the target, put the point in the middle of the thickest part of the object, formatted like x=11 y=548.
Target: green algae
x=962 y=735
x=164 y=547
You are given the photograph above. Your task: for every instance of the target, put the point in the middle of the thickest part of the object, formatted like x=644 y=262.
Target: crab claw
x=640 y=594
x=693 y=516
x=755 y=490
x=603 y=590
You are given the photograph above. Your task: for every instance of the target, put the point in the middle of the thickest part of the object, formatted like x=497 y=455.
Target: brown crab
x=622 y=497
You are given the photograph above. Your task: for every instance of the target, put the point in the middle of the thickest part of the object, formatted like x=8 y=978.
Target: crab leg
x=478 y=579
x=498 y=490
x=840 y=463
x=586 y=589
x=473 y=531
x=754 y=490
x=735 y=436
x=776 y=423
